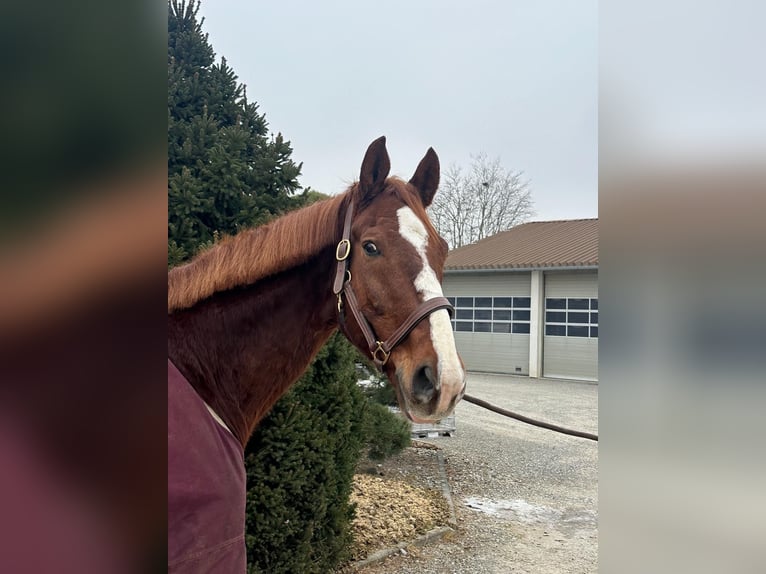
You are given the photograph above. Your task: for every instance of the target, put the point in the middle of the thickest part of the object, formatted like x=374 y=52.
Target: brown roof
x=540 y=244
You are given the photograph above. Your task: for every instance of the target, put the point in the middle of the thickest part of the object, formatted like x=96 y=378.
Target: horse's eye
x=370 y=248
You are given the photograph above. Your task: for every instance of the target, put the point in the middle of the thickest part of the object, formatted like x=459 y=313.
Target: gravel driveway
x=526 y=498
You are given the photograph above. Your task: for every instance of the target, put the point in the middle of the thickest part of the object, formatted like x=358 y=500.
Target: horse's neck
x=242 y=349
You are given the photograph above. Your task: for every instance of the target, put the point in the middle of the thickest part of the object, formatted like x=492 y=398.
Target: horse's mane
x=243 y=259
x=255 y=254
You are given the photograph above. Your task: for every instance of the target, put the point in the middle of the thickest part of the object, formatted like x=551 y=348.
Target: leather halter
x=380 y=350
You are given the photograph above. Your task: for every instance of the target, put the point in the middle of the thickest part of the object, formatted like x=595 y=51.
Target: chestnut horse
x=247 y=316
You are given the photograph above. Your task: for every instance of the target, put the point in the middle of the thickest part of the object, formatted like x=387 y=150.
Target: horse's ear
x=375 y=168
x=426 y=178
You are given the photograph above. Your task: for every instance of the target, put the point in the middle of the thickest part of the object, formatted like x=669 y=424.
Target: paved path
x=526 y=498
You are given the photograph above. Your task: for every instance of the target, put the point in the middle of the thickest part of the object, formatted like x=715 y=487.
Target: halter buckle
x=383 y=352
x=344 y=245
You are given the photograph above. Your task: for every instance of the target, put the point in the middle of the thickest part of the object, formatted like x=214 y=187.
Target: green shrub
x=379 y=390
x=385 y=433
x=300 y=464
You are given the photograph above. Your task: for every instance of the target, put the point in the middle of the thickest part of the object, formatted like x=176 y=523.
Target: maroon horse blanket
x=206 y=486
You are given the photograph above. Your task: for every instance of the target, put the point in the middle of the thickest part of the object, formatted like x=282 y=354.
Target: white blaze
x=427 y=284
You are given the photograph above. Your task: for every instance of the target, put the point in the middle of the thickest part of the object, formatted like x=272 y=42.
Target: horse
x=247 y=316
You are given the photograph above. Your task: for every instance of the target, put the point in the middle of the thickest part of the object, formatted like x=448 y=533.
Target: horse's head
x=396 y=267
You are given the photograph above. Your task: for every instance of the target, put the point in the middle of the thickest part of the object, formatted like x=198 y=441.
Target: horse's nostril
x=424 y=385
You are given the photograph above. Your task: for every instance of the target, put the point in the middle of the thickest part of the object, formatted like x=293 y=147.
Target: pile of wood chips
x=389 y=511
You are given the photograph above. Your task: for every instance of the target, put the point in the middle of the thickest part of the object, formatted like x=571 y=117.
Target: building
x=526 y=300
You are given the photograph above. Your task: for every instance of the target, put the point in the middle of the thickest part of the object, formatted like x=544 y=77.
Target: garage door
x=570 y=339
x=491 y=322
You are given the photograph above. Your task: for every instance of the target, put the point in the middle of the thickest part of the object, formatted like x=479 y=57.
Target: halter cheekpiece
x=379 y=350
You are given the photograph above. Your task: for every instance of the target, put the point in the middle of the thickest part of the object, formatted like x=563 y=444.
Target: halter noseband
x=380 y=350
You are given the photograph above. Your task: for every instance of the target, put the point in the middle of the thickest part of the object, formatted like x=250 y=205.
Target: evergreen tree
x=225 y=172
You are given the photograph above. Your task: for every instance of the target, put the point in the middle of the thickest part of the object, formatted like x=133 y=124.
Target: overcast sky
x=516 y=80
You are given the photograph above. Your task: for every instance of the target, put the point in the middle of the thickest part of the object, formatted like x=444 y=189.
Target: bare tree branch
x=484 y=201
